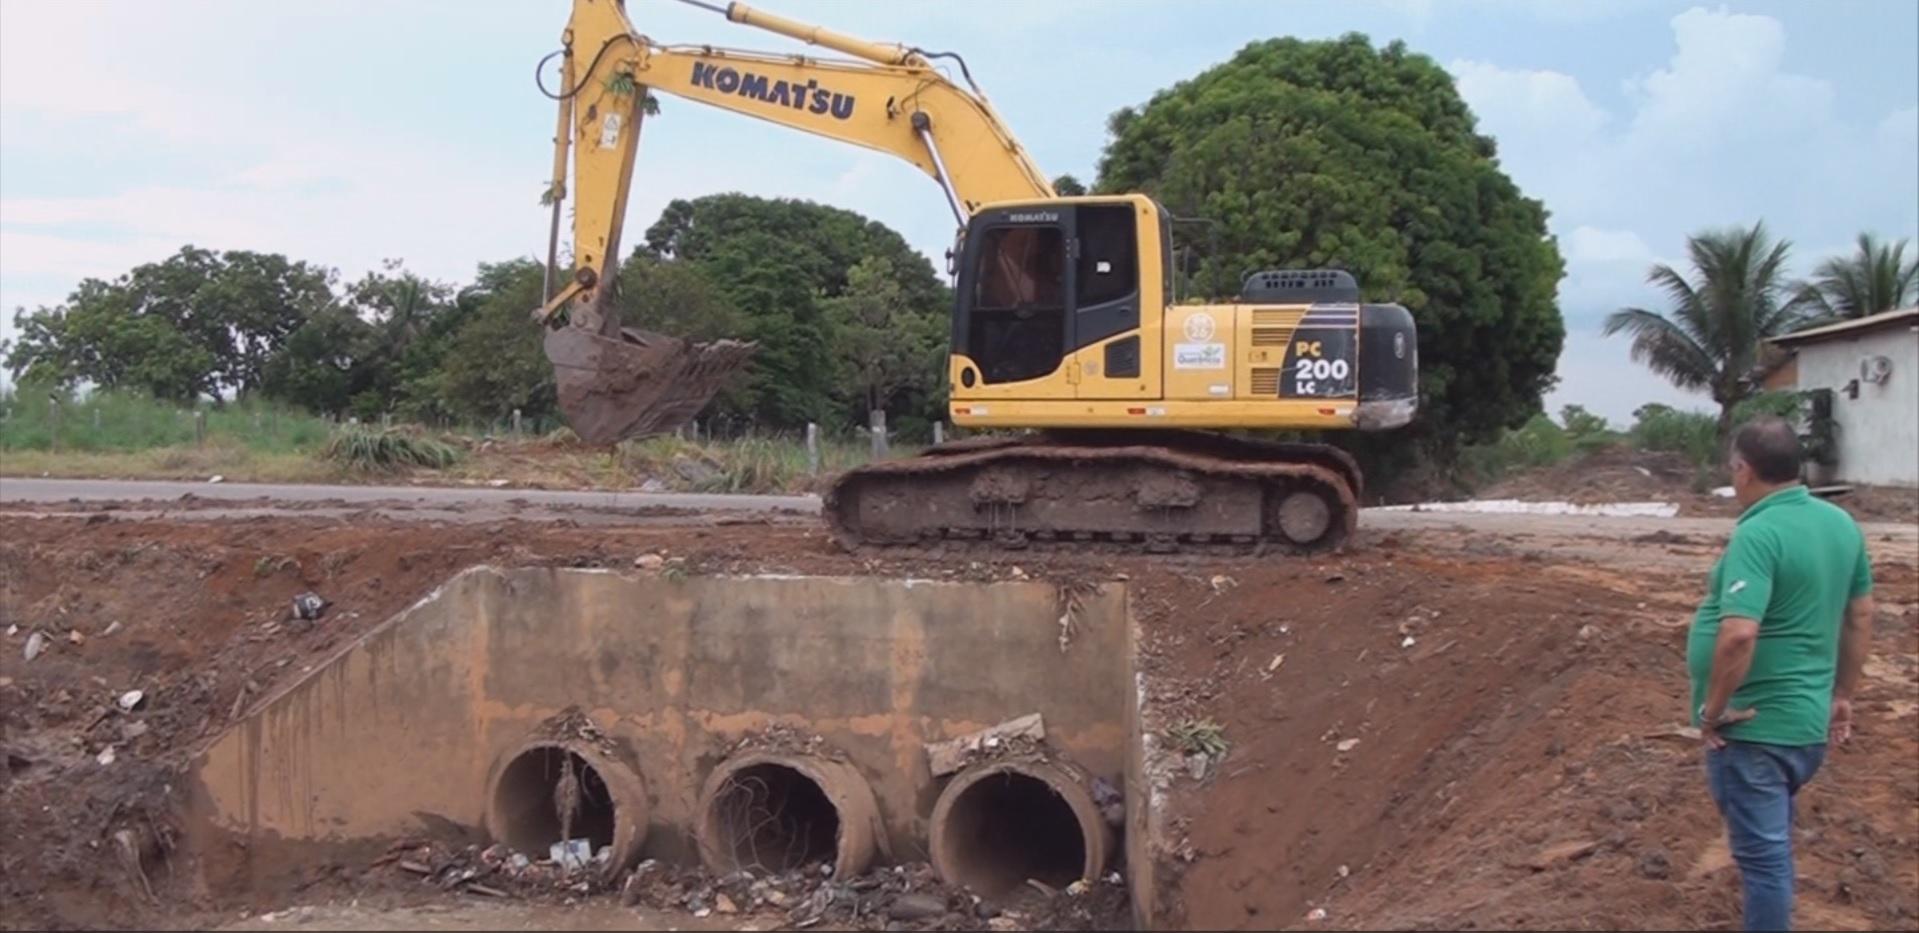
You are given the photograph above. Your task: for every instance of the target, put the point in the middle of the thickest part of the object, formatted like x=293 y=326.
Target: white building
x=1872 y=367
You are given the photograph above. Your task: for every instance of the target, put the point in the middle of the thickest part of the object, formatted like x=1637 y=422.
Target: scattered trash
x=1586 y=631
x=36 y=643
x=571 y=854
x=309 y=606
x=1316 y=914
x=496 y=483
x=1723 y=492
x=112 y=627
x=75 y=636
x=1222 y=583
x=725 y=905
x=13 y=630
x=1078 y=888
x=1347 y=745
x=652 y=485
x=1274 y=664
x=649 y=561
x=132 y=700
x=944 y=758
x=105 y=757
x=1407 y=642
x=1344 y=871
x=216 y=478
x=910 y=907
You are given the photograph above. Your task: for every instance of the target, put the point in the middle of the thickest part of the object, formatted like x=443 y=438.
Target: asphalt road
x=24 y=489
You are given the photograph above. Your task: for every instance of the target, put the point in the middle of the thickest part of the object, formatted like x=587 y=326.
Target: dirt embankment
x=1497 y=771
x=1623 y=474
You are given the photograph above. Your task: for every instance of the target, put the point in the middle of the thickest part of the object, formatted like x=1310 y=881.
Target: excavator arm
x=617 y=382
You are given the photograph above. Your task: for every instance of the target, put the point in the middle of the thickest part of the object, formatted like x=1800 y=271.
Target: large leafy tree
x=1713 y=336
x=198 y=323
x=1337 y=153
x=884 y=344
x=1877 y=277
x=775 y=261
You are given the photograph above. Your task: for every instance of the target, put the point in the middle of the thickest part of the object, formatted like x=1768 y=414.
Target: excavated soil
x=1511 y=768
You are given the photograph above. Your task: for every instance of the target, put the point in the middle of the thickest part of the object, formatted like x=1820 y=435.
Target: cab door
x=1109 y=283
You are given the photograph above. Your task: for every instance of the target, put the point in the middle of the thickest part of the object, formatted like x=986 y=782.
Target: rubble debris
x=944 y=758
x=571 y=854
x=112 y=627
x=1316 y=914
x=76 y=636
x=36 y=643
x=309 y=606
x=649 y=561
x=105 y=757
x=1563 y=853
x=1347 y=745
x=132 y=700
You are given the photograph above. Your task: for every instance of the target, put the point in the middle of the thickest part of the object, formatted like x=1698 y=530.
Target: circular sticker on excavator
x=1199 y=327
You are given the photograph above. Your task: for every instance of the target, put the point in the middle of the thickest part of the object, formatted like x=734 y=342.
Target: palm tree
x=1711 y=340
x=1867 y=282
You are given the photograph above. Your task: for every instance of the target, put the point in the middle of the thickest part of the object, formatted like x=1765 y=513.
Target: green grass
x=113 y=421
x=387 y=450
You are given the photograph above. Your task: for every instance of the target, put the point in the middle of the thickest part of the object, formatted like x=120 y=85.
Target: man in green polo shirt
x=1775 y=654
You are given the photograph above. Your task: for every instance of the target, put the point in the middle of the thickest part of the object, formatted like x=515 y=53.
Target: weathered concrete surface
x=398 y=733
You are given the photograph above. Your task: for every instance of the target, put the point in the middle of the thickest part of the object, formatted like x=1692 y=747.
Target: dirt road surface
x=1505 y=690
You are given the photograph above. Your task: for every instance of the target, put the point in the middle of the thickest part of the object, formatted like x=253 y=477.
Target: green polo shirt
x=1793 y=563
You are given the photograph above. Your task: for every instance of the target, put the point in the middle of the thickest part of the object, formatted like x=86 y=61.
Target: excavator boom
x=616 y=381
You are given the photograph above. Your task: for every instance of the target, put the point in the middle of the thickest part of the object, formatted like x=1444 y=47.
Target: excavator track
x=1158 y=492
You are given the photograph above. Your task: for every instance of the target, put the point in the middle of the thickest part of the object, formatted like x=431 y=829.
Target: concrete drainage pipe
x=529 y=793
x=1000 y=823
x=773 y=812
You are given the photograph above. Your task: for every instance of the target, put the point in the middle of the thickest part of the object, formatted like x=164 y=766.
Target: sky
x=349 y=132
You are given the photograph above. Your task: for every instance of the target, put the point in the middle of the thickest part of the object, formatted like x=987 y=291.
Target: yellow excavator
x=1063 y=320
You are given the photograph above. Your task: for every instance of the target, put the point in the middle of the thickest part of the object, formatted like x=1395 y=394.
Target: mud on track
x=1505 y=773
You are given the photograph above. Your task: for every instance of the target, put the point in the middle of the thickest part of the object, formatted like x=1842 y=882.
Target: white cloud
x=1899 y=128
x=1595 y=245
x=1724 y=83
x=1549 y=104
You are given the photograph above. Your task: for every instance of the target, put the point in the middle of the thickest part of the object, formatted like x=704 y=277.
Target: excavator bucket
x=639 y=383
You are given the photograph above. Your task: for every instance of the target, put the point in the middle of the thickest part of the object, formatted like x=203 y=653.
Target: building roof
x=1907 y=316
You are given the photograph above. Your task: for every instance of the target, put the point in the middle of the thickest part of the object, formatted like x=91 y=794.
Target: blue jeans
x=1754 y=785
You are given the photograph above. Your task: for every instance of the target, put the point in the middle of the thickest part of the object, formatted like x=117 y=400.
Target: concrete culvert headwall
x=998 y=824
x=549 y=791
x=775 y=812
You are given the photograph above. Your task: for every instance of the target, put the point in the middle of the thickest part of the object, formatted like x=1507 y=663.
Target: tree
x=774 y=261
x=1336 y=153
x=196 y=324
x=1067 y=186
x=1875 y=278
x=496 y=362
x=883 y=343
x=1712 y=338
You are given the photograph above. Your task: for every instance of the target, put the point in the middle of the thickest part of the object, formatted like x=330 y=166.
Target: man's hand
x=1841 y=728
x=1709 y=726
